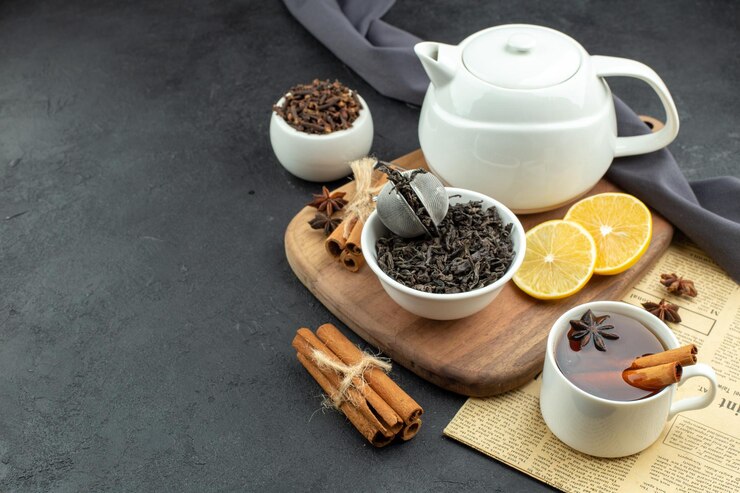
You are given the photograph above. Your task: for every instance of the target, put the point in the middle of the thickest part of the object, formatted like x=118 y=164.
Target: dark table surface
x=146 y=306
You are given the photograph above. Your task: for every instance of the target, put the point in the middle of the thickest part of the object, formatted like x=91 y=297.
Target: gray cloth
x=707 y=211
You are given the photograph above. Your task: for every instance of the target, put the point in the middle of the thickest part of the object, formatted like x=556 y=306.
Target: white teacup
x=603 y=427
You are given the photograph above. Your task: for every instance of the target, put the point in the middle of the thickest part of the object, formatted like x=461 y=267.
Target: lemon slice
x=621 y=226
x=559 y=260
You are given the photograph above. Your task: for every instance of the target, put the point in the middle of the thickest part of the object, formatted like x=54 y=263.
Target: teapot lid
x=521 y=56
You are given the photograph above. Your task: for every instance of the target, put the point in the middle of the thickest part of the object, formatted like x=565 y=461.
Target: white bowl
x=444 y=306
x=321 y=157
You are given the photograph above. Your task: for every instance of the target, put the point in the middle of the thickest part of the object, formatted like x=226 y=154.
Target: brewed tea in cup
x=585 y=399
x=599 y=371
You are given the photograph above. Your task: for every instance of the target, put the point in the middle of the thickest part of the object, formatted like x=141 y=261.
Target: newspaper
x=698 y=451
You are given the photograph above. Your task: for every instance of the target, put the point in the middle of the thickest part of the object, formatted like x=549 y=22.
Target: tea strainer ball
x=398 y=216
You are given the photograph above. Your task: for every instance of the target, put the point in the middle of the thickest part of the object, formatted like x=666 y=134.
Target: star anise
x=328 y=202
x=678 y=285
x=591 y=327
x=664 y=310
x=325 y=222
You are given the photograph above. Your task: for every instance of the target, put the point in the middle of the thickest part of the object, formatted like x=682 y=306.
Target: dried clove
x=321 y=107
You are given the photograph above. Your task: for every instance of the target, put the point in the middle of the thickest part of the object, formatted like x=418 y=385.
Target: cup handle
x=699 y=402
x=607 y=66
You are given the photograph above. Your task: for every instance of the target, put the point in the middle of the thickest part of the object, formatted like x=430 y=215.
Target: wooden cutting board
x=495 y=350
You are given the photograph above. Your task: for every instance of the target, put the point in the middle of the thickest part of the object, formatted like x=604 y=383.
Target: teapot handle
x=606 y=66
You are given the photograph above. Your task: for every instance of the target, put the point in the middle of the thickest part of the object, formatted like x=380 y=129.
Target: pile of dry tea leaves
x=473 y=249
x=321 y=107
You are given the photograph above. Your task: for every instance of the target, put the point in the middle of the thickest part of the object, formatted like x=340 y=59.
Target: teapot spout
x=439 y=60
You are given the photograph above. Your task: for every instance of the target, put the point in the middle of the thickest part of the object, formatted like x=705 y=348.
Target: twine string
x=349 y=373
x=361 y=204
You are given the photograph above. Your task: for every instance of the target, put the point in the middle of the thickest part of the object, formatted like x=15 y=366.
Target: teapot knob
x=521 y=43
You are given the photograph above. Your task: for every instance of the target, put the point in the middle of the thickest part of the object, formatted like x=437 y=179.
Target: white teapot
x=522 y=113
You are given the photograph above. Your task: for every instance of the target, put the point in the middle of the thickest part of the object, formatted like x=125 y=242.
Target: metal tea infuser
x=396 y=213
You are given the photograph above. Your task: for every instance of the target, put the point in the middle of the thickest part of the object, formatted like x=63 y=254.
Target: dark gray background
x=146 y=307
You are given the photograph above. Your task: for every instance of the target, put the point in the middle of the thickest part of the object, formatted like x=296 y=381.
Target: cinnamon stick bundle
x=347 y=248
x=363 y=398
x=400 y=401
x=372 y=433
x=370 y=413
x=344 y=243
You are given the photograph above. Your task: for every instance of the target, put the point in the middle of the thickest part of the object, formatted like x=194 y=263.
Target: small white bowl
x=444 y=306
x=321 y=158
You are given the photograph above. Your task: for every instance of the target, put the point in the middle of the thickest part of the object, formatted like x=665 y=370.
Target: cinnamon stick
x=410 y=430
x=406 y=407
x=351 y=261
x=336 y=242
x=353 y=243
x=685 y=355
x=362 y=397
x=370 y=432
x=653 y=377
